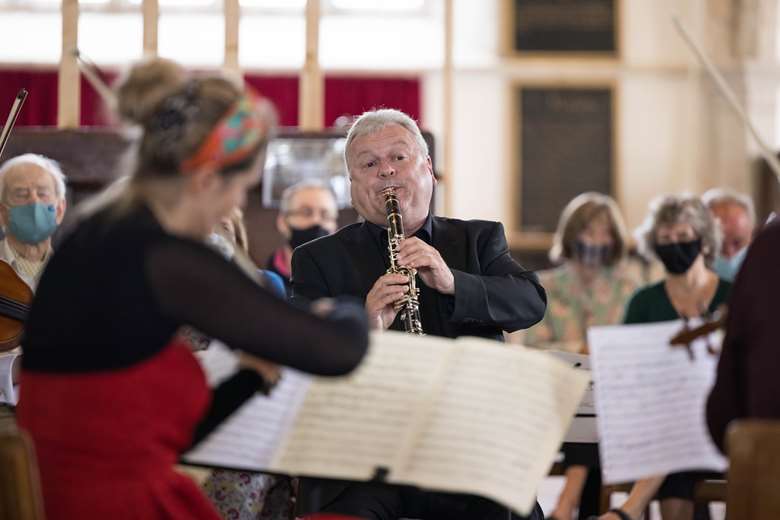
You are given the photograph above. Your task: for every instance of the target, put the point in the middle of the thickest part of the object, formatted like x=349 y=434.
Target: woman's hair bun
x=144 y=85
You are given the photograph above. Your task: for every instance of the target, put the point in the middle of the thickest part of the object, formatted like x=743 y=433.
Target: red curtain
x=353 y=95
x=41 y=105
x=282 y=90
x=93 y=110
x=40 y=108
x=344 y=95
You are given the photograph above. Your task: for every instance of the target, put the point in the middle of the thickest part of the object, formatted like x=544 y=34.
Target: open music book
x=650 y=401
x=468 y=415
x=583 y=428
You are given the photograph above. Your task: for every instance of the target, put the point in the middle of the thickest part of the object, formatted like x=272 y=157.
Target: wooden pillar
x=232 y=20
x=447 y=87
x=151 y=19
x=69 y=84
x=311 y=103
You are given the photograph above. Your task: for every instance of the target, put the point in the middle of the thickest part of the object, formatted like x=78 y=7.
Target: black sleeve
x=504 y=293
x=196 y=286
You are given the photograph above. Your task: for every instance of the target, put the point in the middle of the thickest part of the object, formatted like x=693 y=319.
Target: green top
x=652 y=303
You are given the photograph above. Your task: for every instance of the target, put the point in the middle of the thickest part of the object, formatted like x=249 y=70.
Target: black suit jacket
x=493 y=292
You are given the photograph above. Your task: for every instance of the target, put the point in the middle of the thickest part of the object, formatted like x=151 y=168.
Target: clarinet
x=409 y=305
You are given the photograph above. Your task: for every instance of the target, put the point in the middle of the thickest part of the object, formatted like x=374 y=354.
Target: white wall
x=674 y=132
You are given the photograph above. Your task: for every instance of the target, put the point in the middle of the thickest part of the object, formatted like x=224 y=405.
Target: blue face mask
x=32 y=223
x=727 y=267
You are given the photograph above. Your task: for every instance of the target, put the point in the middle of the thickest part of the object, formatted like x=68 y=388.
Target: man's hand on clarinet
x=381 y=299
x=431 y=267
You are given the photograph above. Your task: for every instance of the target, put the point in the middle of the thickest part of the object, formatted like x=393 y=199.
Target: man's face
x=736 y=227
x=390 y=157
x=29 y=183
x=310 y=207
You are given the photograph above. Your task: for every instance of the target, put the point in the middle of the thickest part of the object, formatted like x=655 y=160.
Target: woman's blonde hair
x=144 y=84
x=180 y=122
x=577 y=215
x=674 y=209
x=240 y=236
x=175 y=113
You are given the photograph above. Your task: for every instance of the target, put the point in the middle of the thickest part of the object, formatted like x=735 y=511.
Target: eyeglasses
x=17 y=196
x=307 y=212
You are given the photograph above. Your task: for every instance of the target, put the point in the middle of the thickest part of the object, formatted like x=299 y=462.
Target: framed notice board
x=562 y=27
x=563 y=145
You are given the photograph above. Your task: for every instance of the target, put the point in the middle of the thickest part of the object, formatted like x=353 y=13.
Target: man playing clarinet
x=469 y=285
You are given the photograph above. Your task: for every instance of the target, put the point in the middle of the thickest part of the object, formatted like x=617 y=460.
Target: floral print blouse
x=572 y=307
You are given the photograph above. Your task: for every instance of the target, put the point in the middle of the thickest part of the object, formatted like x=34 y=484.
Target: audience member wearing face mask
x=736 y=217
x=307 y=211
x=32 y=205
x=682 y=233
x=590 y=286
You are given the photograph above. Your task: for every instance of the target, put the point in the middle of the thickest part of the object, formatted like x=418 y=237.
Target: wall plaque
x=565 y=146
x=563 y=26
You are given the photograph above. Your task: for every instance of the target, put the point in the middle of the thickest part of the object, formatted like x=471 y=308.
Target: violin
x=15 y=299
x=15 y=294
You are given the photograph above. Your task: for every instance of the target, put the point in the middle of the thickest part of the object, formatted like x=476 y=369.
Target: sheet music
x=249 y=438
x=347 y=428
x=650 y=401
x=580 y=362
x=217 y=361
x=497 y=423
x=468 y=415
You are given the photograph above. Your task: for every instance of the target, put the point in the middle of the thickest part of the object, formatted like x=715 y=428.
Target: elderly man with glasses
x=307 y=211
x=32 y=205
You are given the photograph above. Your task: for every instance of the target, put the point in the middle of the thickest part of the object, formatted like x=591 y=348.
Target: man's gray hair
x=718 y=196
x=49 y=165
x=375 y=120
x=308 y=184
x=668 y=210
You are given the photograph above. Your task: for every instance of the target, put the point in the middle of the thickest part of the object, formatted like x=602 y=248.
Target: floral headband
x=235 y=137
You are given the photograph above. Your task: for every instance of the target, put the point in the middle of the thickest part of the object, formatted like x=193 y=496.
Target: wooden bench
x=20 y=489
x=754 y=470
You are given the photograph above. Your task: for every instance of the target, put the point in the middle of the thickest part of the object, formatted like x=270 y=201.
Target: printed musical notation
x=468 y=415
x=650 y=402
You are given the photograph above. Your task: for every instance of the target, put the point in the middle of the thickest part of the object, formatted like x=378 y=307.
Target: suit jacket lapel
x=451 y=247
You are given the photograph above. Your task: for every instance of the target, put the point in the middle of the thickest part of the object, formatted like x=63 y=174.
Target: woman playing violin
x=110 y=397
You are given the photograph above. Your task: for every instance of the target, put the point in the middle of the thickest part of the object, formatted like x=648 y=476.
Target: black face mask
x=301 y=236
x=678 y=257
x=590 y=255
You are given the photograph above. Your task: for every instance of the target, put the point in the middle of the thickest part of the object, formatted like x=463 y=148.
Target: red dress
x=111 y=402
x=107 y=441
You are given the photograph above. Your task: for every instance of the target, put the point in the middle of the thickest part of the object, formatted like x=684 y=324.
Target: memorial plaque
x=565 y=148
x=564 y=26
